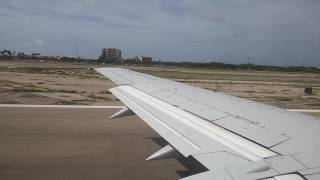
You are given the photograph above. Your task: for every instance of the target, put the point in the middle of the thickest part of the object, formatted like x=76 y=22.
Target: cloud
x=38 y=42
x=273 y=32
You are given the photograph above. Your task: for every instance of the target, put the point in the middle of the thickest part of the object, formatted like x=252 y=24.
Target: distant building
x=111 y=55
x=144 y=59
x=35 y=55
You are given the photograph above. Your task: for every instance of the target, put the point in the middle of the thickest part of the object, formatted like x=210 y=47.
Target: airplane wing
x=233 y=138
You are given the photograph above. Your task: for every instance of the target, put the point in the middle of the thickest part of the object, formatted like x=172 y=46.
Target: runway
x=47 y=142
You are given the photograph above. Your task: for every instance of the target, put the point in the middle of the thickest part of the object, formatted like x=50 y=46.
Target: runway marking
x=59 y=106
x=305 y=110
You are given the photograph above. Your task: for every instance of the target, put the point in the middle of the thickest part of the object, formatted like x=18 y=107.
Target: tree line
x=247 y=66
x=9 y=53
x=5 y=53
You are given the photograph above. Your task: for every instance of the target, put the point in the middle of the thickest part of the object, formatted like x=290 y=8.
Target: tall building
x=111 y=55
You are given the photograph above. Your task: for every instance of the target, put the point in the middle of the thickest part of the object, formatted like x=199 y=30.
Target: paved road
x=79 y=143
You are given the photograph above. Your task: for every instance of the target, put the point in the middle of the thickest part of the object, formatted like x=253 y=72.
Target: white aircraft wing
x=232 y=137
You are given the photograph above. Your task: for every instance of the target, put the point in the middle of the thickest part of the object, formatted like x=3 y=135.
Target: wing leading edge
x=232 y=145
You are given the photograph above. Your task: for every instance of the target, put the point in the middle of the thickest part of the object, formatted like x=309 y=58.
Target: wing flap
x=188 y=133
x=222 y=174
x=184 y=145
x=259 y=134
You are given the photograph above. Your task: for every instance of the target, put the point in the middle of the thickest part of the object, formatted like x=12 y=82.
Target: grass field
x=68 y=83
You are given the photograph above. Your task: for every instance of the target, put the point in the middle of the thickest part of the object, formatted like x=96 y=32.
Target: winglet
x=122 y=112
x=163 y=153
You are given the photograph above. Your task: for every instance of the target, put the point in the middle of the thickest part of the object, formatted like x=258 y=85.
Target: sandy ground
x=38 y=82
x=16 y=87
x=51 y=143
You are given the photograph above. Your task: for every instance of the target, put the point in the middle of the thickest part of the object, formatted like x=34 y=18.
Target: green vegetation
x=229 y=77
x=95 y=97
x=105 y=92
x=21 y=87
x=78 y=72
x=248 y=66
x=282 y=98
x=11 y=55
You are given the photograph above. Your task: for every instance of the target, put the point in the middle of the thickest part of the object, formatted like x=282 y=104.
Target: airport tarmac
x=79 y=143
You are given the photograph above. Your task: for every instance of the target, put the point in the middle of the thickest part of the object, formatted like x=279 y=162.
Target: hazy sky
x=281 y=32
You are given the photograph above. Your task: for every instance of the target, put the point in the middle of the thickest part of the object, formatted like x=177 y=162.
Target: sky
x=271 y=32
